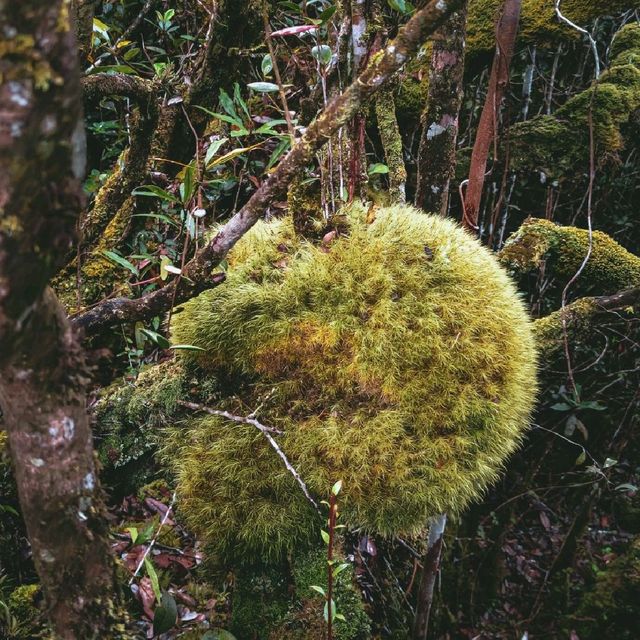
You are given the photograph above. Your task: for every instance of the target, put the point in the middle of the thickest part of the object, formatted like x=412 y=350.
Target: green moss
x=562 y=250
x=557 y=144
x=129 y=421
x=539 y=25
x=311 y=569
x=610 y=609
x=392 y=144
x=260 y=601
x=23 y=605
x=399 y=359
x=99 y=276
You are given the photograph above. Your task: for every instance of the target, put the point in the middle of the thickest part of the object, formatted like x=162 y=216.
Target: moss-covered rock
x=399 y=359
x=557 y=144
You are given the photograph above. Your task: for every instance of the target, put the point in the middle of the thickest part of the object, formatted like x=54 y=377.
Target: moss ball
x=397 y=358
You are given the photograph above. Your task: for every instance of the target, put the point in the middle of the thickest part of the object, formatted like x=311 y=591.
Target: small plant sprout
x=333 y=569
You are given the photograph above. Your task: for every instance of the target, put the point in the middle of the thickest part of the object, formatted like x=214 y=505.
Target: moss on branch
x=557 y=143
x=563 y=249
x=539 y=25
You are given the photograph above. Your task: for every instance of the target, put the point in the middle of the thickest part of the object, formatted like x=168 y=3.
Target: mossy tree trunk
x=437 y=153
x=43 y=375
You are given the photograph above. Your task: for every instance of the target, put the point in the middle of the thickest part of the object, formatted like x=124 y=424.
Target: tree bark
x=506 y=32
x=338 y=112
x=42 y=370
x=437 y=153
x=430 y=569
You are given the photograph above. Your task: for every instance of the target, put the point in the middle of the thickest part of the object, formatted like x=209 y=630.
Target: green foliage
x=399 y=359
x=24 y=608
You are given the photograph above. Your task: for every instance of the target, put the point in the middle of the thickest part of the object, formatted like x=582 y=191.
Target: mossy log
x=557 y=144
x=562 y=250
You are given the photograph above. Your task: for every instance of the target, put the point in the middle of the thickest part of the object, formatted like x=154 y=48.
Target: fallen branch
x=196 y=275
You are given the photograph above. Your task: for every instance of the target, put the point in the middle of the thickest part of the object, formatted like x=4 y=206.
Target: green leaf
x=335 y=490
x=561 y=406
x=581 y=458
x=327 y=14
x=157 y=216
x=320 y=590
x=123 y=262
x=339 y=616
x=593 y=405
x=267 y=65
x=340 y=568
x=220 y=116
x=214 y=147
x=133 y=532
x=188 y=184
x=609 y=462
x=155 y=192
x=165 y=615
x=378 y=167
x=153 y=576
x=278 y=152
x=267 y=127
x=186 y=347
x=157 y=338
x=227 y=104
x=325 y=536
x=237 y=96
x=263 y=87
x=398 y=5
x=322 y=53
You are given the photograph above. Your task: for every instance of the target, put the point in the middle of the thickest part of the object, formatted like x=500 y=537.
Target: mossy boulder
x=398 y=358
x=562 y=251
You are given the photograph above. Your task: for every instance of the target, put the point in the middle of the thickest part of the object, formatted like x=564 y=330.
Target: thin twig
x=592 y=42
x=165 y=517
x=266 y=431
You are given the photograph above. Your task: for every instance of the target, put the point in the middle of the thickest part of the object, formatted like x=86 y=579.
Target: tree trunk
x=437 y=153
x=430 y=569
x=42 y=370
x=506 y=32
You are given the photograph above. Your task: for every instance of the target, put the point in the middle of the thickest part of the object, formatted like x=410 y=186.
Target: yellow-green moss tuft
x=23 y=605
x=400 y=359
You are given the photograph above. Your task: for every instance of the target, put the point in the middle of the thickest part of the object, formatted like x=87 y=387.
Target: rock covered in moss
x=562 y=250
x=397 y=358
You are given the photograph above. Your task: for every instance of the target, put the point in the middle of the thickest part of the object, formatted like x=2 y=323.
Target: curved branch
x=197 y=273
x=579 y=318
